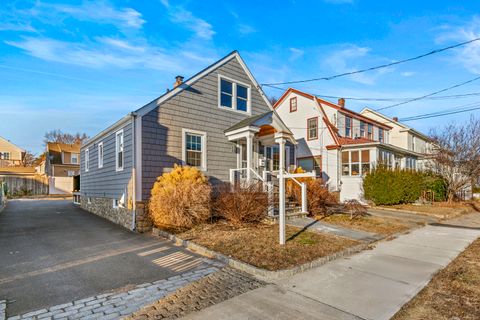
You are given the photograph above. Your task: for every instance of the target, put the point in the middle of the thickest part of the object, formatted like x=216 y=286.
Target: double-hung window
x=119 y=151
x=293 y=104
x=362 y=129
x=74 y=158
x=194 y=149
x=312 y=128
x=100 y=155
x=233 y=95
x=370 y=131
x=380 y=135
x=5 y=155
x=87 y=160
x=348 y=126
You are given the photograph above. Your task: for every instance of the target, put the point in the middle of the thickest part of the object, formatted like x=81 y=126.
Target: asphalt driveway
x=52 y=252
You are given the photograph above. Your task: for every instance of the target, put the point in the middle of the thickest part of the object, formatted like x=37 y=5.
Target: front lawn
x=379 y=225
x=258 y=244
x=454 y=293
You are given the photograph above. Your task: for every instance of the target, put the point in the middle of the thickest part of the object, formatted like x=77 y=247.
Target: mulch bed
x=258 y=244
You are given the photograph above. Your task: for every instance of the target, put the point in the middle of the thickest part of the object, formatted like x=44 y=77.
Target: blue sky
x=79 y=66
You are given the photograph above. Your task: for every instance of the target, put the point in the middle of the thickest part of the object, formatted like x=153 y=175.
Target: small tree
x=456 y=155
x=28 y=159
x=64 y=137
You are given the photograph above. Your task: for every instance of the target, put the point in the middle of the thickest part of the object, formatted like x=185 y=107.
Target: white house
x=339 y=144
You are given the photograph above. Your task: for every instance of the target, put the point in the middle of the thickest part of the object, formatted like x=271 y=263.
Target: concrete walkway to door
x=373 y=284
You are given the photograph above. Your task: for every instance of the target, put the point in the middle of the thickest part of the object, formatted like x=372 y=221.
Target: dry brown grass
x=258 y=244
x=454 y=293
x=383 y=226
x=448 y=210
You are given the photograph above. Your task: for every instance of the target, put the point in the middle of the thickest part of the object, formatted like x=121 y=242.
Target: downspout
x=134 y=171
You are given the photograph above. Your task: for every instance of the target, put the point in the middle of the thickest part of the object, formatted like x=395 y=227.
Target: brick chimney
x=341 y=102
x=395 y=119
x=178 y=81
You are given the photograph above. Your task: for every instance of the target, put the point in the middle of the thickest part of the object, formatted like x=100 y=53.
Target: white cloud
x=245 y=29
x=468 y=55
x=99 y=12
x=408 y=74
x=202 y=28
x=296 y=53
x=351 y=58
x=13 y=26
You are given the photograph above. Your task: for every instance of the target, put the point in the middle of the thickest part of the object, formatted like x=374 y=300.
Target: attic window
x=293 y=104
x=233 y=95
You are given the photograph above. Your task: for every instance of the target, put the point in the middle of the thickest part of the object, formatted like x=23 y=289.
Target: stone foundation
x=103 y=207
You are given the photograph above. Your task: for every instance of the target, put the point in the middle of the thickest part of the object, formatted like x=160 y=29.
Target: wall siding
x=106 y=181
x=195 y=108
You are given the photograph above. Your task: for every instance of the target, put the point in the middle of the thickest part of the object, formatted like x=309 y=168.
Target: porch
x=265 y=150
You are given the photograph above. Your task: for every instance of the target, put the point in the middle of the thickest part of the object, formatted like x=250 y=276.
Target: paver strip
x=114 y=305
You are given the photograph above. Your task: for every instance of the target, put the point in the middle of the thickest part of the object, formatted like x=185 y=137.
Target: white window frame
x=234 y=95
x=87 y=160
x=350 y=126
x=203 y=167
x=74 y=155
x=117 y=167
x=3 y=155
x=100 y=158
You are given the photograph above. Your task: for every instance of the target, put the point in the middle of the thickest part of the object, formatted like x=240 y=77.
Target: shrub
x=180 y=198
x=242 y=204
x=384 y=186
x=318 y=197
x=355 y=209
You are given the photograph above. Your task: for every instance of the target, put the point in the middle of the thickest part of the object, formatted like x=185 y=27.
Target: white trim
x=150 y=106
x=109 y=130
x=117 y=167
x=100 y=159
x=138 y=159
x=234 y=94
x=204 y=147
x=115 y=203
x=87 y=160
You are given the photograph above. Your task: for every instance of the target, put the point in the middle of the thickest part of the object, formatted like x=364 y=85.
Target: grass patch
x=449 y=210
x=454 y=293
x=258 y=244
x=380 y=225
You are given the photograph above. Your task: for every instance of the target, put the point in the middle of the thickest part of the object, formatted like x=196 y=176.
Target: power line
x=378 y=67
x=430 y=94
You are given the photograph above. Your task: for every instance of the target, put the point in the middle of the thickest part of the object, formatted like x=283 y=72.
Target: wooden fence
x=25 y=185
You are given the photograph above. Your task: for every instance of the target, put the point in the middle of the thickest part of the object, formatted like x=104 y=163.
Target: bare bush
x=319 y=199
x=180 y=198
x=355 y=209
x=242 y=204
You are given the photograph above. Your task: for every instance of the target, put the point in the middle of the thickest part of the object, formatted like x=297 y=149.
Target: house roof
x=398 y=123
x=331 y=104
x=250 y=121
x=17 y=170
x=63 y=147
x=185 y=85
x=13 y=144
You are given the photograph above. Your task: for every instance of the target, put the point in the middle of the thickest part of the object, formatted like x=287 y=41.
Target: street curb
x=3 y=309
x=262 y=274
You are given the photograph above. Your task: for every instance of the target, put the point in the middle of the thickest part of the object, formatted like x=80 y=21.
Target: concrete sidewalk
x=373 y=284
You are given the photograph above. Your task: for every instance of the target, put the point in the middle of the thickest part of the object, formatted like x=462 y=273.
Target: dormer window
x=293 y=104
x=233 y=95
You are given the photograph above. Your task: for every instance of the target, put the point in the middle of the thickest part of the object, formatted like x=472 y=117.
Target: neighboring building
x=61 y=164
x=10 y=154
x=340 y=144
x=219 y=121
x=405 y=137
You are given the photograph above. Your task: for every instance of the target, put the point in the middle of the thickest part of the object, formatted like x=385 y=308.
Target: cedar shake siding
x=106 y=182
x=195 y=108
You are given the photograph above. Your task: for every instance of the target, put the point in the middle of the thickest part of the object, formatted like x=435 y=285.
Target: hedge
x=384 y=186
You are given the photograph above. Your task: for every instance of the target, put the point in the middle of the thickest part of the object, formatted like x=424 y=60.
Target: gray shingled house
x=219 y=120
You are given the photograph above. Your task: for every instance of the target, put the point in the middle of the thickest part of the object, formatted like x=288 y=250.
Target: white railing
x=303 y=187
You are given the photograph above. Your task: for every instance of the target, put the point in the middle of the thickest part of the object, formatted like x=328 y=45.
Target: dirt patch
x=258 y=244
x=447 y=210
x=380 y=225
x=454 y=293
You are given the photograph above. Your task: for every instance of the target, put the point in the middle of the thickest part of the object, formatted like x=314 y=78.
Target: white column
x=304 y=197
x=281 y=194
x=249 y=157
